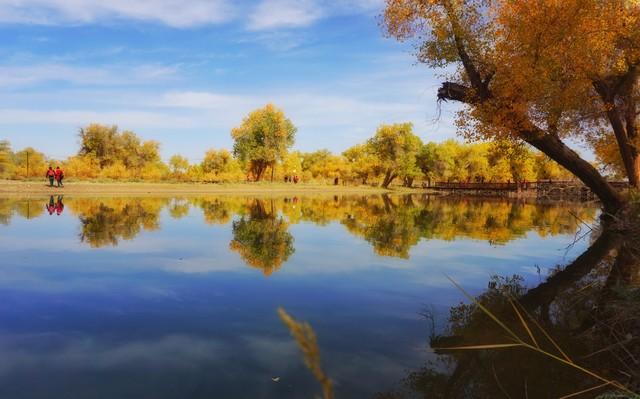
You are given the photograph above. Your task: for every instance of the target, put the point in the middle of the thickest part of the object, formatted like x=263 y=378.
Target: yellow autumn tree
x=29 y=163
x=262 y=139
x=396 y=147
x=179 y=166
x=6 y=159
x=536 y=71
x=364 y=164
x=220 y=166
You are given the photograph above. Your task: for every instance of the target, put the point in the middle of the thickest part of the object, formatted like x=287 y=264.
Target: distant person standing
x=51 y=175
x=59 y=174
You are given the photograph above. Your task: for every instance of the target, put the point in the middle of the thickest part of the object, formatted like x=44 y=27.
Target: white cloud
x=75 y=118
x=85 y=353
x=204 y=100
x=272 y=14
x=275 y=40
x=268 y=14
x=334 y=113
x=105 y=75
x=176 y=13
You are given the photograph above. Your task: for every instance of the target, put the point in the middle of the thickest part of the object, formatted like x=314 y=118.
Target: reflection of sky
x=174 y=313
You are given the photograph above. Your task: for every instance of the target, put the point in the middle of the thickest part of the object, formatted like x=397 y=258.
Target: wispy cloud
x=275 y=40
x=76 y=118
x=176 y=352
x=266 y=15
x=174 y=13
x=271 y=14
x=333 y=113
x=102 y=75
x=205 y=100
x=276 y=14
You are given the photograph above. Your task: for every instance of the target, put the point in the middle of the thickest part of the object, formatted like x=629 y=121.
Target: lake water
x=178 y=297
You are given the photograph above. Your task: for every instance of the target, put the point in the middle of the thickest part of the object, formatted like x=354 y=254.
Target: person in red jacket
x=51 y=174
x=59 y=176
x=59 y=206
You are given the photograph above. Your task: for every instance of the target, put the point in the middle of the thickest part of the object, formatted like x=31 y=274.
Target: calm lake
x=178 y=297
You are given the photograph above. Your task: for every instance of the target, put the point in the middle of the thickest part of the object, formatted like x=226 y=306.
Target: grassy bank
x=40 y=187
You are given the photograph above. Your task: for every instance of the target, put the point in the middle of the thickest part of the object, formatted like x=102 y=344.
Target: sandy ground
x=8 y=187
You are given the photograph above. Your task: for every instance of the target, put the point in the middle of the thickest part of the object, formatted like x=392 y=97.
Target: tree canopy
x=6 y=161
x=392 y=152
x=364 y=163
x=118 y=154
x=263 y=138
x=29 y=163
x=220 y=166
x=396 y=147
x=538 y=71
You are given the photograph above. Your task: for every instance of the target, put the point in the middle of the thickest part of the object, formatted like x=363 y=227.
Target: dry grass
x=531 y=343
x=306 y=339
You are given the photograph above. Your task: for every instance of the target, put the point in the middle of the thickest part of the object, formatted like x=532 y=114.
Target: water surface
x=177 y=297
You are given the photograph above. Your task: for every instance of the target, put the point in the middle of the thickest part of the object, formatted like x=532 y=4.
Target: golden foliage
x=538 y=71
x=263 y=138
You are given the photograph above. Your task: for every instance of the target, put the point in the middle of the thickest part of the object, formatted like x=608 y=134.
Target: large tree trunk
x=550 y=145
x=555 y=149
x=408 y=181
x=622 y=115
x=388 y=178
x=257 y=168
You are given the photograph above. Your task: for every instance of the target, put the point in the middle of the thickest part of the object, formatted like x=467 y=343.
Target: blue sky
x=185 y=73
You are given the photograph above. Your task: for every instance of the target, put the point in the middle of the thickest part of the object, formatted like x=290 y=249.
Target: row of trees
x=262 y=148
x=22 y=164
x=396 y=152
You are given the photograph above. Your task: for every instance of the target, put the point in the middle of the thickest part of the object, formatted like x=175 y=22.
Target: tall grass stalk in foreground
x=532 y=344
x=305 y=337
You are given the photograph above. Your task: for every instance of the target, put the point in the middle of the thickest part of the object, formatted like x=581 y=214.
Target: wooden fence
x=481 y=186
x=511 y=186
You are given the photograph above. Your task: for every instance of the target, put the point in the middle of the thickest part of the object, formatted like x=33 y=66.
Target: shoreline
x=12 y=188
x=8 y=187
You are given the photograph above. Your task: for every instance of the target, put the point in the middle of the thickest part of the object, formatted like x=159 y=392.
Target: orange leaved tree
x=541 y=71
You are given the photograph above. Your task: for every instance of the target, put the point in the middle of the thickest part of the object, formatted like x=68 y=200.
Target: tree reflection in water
x=105 y=222
x=179 y=208
x=391 y=224
x=590 y=309
x=26 y=208
x=395 y=224
x=261 y=237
